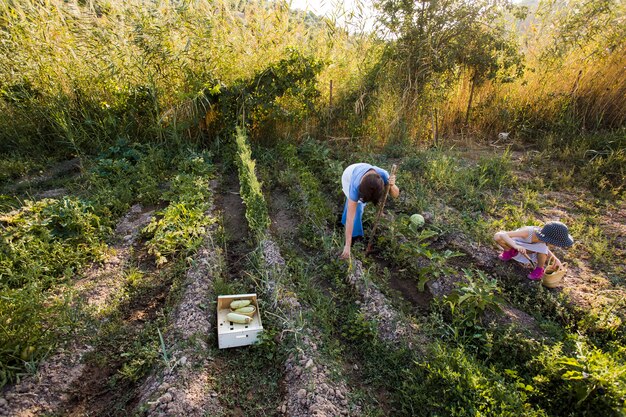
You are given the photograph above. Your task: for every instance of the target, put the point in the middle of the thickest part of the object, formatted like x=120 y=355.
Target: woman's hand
x=346 y=253
x=393 y=188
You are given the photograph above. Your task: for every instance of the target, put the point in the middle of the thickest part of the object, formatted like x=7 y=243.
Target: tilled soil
x=100 y=282
x=183 y=387
x=392 y=326
x=309 y=389
x=62 y=169
x=284 y=225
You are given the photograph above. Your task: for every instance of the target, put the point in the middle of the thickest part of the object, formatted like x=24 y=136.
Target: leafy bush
x=41 y=245
x=32 y=321
x=47 y=240
x=463 y=387
x=15 y=167
x=411 y=249
x=471 y=299
x=285 y=91
x=585 y=382
x=127 y=173
x=179 y=230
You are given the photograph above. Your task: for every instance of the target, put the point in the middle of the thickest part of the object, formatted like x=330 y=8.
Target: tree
x=434 y=40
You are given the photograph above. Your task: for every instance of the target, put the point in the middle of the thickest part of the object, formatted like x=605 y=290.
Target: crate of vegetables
x=238 y=320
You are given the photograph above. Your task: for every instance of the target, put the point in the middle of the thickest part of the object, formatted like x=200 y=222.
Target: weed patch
x=124 y=174
x=47 y=240
x=33 y=321
x=180 y=228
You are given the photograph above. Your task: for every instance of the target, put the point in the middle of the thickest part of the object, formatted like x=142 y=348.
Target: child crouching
x=531 y=244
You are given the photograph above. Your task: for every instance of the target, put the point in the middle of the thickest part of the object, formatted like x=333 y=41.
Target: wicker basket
x=553 y=278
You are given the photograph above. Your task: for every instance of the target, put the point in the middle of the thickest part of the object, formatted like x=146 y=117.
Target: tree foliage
x=437 y=38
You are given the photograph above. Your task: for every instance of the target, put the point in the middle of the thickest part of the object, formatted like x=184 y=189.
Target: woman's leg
x=358 y=218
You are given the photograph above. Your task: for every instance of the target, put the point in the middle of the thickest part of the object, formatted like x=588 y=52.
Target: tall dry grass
x=78 y=75
x=575 y=97
x=574 y=82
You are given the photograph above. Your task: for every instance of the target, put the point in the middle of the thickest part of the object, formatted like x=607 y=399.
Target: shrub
x=179 y=230
x=463 y=387
x=32 y=321
x=127 y=173
x=41 y=245
x=13 y=167
x=471 y=299
x=585 y=382
x=47 y=240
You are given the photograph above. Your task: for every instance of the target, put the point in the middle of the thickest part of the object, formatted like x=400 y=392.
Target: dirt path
x=375 y=307
x=307 y=387
x=54 y=382
x=310 y=388
x=63 y=169
x=235 y=227
x=200 y=379
x=402 y=284
x=284 y=224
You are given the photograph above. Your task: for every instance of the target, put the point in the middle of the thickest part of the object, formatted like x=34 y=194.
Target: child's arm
x=557 y=262
x=506 y=237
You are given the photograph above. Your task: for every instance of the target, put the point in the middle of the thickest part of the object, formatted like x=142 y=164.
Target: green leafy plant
x=411 y=248
x=472 y=298
x=251 y=193
x=126 y=173
x=32 y=322
x=48 y=240
x=585 y=379
x=179 y=229
x=42 y=245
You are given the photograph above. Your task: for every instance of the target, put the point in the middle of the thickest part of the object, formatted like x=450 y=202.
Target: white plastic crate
x=231 y=334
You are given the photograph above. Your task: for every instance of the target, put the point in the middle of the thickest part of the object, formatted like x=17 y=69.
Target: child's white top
x=531 y=248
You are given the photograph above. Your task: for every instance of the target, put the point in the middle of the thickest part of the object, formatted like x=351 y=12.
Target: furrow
x=183 y=387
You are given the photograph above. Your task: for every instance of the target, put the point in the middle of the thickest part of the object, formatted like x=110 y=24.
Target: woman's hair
x=371 y=188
